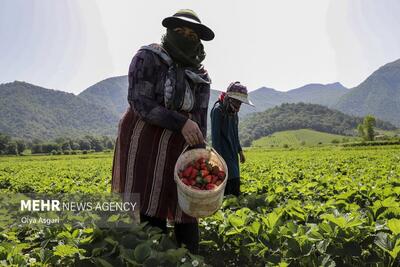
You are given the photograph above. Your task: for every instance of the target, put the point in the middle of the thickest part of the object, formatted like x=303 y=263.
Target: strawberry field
x=312 y=207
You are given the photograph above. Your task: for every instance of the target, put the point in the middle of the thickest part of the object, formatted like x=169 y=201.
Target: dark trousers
x=185 y=233
x=232 y=187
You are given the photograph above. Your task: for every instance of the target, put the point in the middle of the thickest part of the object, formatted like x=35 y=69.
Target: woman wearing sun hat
x=168 y=95
x=225 y=135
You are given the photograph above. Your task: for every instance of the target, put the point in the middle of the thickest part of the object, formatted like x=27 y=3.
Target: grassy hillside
x=300 y=116
x=302 y=137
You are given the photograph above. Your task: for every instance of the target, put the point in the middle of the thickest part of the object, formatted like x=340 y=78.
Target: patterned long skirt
x=144 y=162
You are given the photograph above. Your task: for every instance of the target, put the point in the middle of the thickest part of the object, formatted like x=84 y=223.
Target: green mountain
x=300 y=116
x=111 y=92
x=378 y=95
x=28 y=111
x=315 y=93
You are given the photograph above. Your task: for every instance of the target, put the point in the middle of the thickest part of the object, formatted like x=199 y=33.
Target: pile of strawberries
x=201 y=175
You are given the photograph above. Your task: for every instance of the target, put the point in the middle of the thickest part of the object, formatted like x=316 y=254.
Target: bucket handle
x=210 y=148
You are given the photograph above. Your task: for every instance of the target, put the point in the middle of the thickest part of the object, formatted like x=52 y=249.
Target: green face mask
x=186 y=45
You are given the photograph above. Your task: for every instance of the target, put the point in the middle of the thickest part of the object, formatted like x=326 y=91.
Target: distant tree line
x=65 y=145
x=8 y=146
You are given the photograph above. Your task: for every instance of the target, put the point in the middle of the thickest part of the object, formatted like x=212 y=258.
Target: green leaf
x=342 y=221
x=65 y=235
x=111 y=241
x=396 y=250
x=384 y=241
x=175 y=255
x=279 y=189
x=254 y=227
x=233 y=231
x=113 y=218
x=210 y=243
x=339 y=221
x=272 y=218
x=322 y=246
x=65 y=250
x=390 y=202
x=235 y=220
x=394 y=226
x=327 y=262
x=315 y=235
x=142 y=252
x=166 y=243
x=291 y=227
x=75 y=233
x=294 y=250
x=129 y=241
x=98 y=251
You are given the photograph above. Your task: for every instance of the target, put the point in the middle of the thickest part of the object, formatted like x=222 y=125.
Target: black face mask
x=189 y=53
x=183 y=43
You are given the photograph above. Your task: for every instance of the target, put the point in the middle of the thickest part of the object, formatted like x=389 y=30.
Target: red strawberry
x=221 y=174
x=185 y=181
x=201 y=160
x=194 y=173
x=197 y=165
x=192 y=182
x=218 y=182
x=214 y=179
x=211 y=186
x=187 y=171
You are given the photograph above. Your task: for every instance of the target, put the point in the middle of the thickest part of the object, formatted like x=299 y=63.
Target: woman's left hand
x=242 y=157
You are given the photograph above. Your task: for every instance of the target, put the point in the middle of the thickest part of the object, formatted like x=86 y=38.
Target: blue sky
x=70 y=45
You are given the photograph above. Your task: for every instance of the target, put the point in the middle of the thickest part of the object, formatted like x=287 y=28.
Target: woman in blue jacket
x=224 y=132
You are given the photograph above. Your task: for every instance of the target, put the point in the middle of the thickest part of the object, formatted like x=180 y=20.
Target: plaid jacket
x=148 y=72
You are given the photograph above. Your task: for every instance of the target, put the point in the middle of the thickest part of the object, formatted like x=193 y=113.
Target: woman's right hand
x=192 y=134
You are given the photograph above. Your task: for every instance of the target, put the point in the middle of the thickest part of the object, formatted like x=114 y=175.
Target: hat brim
x=202 y=30
x=242 y=99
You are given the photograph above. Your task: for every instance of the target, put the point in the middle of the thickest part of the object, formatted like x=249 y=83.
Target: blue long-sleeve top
x=225 y=138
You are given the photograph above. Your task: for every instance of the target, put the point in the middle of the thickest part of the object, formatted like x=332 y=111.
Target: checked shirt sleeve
x=143 y=77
